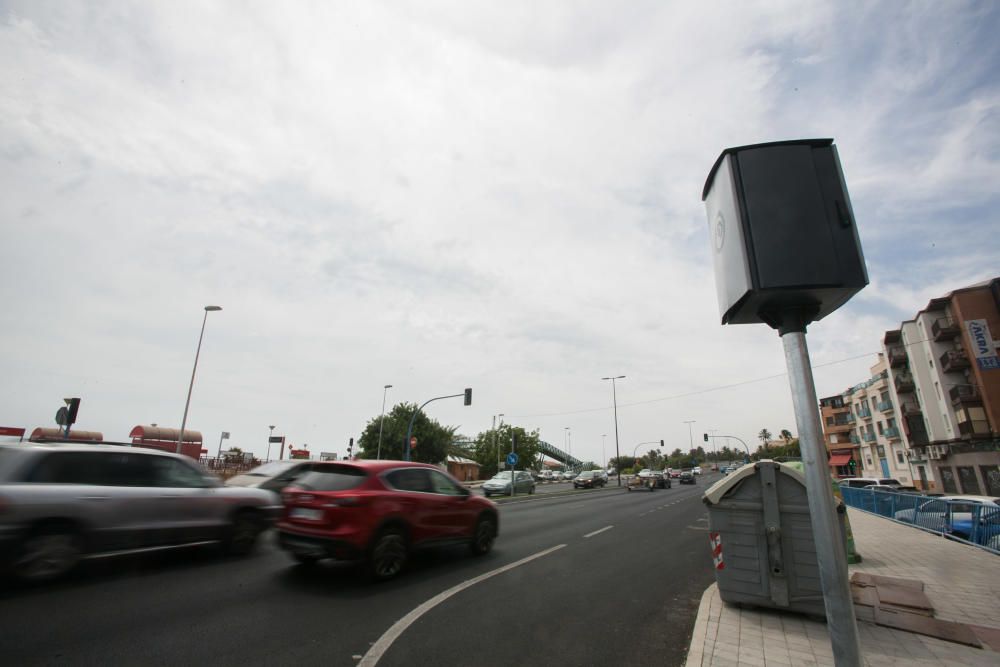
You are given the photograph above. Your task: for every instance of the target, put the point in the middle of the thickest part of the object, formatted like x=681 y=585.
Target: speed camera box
x=783 y=232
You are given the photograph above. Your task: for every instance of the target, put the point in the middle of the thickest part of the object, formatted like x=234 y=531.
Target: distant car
x=687 y=477
x=588 y=479
x=500 y=484
x=273 y=476
x=646 y=472
x=675 y=474
x=603 y=475
x=68 y=502
x=545 y=476
x=378 y=512
x=715 y=467
x=568 y=475
x=696 y=470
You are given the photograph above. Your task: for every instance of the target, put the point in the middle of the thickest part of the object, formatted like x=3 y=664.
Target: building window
x=967 y=476
x=991 y=475
x=900 y=458
x=881 y=452
x=869 y=462
x=948 y=480
x=879 y=424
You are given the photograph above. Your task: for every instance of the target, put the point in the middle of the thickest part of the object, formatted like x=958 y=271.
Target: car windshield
x=272 y=469
x=502 y=475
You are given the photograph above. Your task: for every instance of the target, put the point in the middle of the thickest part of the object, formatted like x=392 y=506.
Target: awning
x=840 y=459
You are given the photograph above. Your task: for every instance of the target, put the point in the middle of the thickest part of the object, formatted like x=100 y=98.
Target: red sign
x=12 y=430
x=413 y=441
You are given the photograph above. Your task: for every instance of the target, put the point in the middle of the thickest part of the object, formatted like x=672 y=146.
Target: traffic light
x=73 y=405
x=706 y=437
x=350 y=447
x=661 y=442
x=852 y=464
x=468 y=396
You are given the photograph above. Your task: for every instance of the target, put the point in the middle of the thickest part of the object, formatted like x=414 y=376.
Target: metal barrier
x=971 y=522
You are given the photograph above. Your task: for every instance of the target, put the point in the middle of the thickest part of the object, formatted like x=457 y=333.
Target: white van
x=861 y=482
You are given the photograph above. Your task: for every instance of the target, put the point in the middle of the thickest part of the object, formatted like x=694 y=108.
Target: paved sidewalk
x=962 y=582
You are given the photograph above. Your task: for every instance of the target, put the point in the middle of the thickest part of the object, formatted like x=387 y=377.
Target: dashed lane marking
x=601 y=530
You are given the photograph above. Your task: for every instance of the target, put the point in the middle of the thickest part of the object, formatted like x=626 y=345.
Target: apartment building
x=838 y=426
x=945 y=381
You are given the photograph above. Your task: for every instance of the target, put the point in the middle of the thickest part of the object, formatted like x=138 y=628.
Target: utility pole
x=614 y=400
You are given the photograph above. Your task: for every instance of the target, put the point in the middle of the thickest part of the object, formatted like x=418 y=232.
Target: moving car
x=377 y=512
x=696 y=470
x=568 y=475
x=588 y=479
x=687 y=477
x=500 y=484
x=60 y=504
x=273 y=476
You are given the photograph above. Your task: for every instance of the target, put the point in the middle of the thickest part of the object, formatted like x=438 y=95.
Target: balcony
x=868 y=437
x=851 y=419
x=884 y=406
x=954 y=361
x=904 y=383
x=897 y=356
x=855 y=439
x=973 y=428
x=891 y=433
x=943 y=328
x=965 y=394
x=910 y=409
x=894 y=336
x=865 y=413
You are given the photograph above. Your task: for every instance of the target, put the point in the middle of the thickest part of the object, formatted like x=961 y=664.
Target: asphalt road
x=616 y=578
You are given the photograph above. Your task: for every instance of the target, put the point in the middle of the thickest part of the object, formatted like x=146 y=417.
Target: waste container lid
x=713 y=495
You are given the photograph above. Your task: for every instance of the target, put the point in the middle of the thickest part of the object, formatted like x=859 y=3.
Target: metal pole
x=690 y=437
x=604 y=454
x=378 y=454
x=496 y=443
x=180 y=438
x=614 y=399
x=830 y=552
x=219 y=455
x=269 y=435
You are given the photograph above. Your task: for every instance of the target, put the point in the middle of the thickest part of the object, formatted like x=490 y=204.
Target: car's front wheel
x=243 y=533
x=483 y=535
x=48 y=553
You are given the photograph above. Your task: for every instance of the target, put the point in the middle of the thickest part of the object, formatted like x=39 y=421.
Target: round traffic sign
x=512 y=459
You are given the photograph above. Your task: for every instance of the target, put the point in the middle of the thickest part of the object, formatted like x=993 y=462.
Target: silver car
x=500 y=484
x=63 y=503
x=273 y=476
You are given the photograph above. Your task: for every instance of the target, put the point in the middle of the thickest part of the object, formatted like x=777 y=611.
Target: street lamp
x=269 y=436
x=690 y=437
x=614 y=399
x=378 y=454
x=187 y=403
x=604 y=455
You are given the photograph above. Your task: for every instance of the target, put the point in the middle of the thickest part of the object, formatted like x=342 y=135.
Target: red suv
x=377 y=511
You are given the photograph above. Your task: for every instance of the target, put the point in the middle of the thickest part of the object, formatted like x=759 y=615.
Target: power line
x=693 y=393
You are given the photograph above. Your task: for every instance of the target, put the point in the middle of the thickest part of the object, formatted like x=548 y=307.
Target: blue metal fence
x=976 y=523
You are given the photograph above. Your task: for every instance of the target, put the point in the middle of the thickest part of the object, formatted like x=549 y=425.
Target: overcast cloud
x=438 y=195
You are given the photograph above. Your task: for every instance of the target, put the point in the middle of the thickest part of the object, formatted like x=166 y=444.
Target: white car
x=696 y=470
x=948 y=514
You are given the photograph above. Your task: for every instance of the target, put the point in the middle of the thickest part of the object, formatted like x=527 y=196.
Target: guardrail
x=974 y=523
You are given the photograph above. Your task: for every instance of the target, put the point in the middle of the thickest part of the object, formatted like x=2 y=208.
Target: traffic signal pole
x=467 y=394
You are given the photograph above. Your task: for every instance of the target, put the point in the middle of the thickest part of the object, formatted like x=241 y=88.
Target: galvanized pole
x=831 y=554
x=378 y=454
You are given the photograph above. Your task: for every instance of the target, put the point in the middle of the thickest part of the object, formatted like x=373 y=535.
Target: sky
x=439 y=195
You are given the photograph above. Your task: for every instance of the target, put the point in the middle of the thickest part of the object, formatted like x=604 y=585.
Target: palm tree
x=764 y=436
x=786 y=435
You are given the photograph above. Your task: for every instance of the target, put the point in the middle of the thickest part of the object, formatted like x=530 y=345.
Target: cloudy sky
x=439 y=195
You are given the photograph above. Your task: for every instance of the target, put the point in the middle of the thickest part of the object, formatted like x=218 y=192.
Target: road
x=616 y=578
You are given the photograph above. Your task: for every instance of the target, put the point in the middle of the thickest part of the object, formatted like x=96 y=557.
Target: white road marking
x=598 y=531
x=399 y=627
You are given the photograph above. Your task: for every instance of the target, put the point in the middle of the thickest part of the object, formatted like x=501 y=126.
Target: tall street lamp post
x=690 y=437
x=269 y=436
x=614 y=400
x=187 y=403
x=381 y=422
x=604 y=455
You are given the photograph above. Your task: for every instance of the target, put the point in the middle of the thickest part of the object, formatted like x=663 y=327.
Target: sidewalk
x=963 y=583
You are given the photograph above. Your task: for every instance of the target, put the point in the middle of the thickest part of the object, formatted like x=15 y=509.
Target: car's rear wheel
x=388 y=554
x=243 y=532
x=48 y=553
x=483 y=535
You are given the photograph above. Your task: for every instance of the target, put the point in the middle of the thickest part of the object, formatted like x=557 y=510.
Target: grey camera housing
x=784 y=239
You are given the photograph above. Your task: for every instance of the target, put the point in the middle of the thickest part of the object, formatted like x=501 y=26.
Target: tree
x=433 y=439
x=496 y=443
x=622 y=463
x=764 y=436
x=786 y=435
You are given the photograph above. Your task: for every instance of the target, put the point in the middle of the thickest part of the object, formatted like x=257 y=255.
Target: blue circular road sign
x=512 y=459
